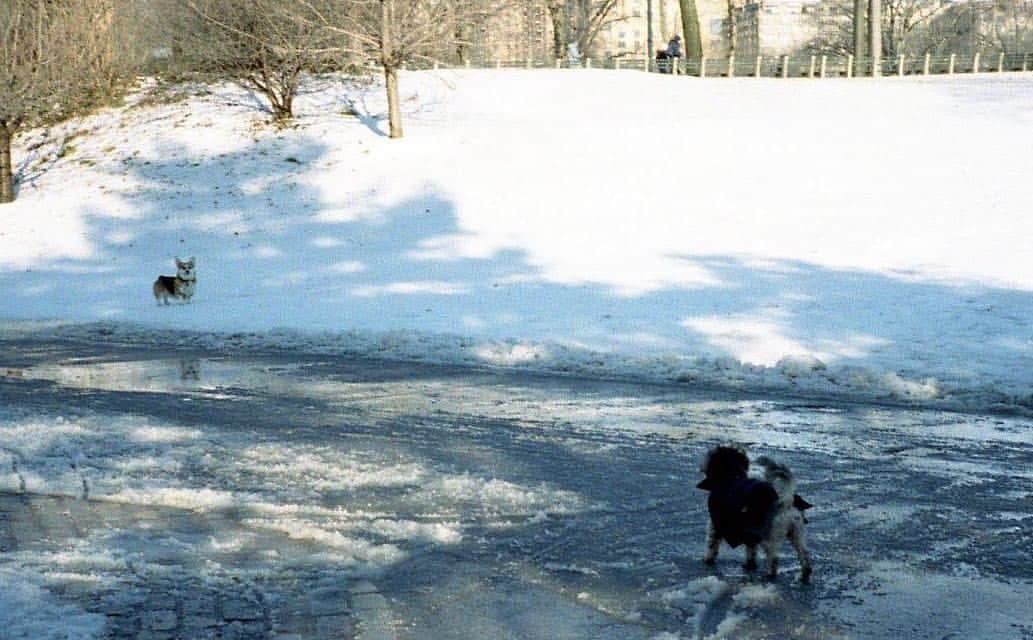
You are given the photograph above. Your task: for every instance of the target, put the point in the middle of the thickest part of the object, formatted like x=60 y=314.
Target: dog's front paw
x=805 y=575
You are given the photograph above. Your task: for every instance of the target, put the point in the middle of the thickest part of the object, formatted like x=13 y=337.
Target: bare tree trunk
x=650 y=45
x=462 y=46
x=860 y=7
x=389 y=59
x=690 y=30
x=875 y=35
x=6 y=167
x=394 y=109
x=733 y=27
x=558 y=33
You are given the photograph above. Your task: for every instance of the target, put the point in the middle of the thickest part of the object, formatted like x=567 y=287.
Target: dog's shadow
x=748 y=595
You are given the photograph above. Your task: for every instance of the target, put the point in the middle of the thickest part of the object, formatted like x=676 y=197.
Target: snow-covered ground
x=839 y=238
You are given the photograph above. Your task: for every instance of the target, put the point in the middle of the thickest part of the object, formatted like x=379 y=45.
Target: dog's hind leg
x=713 y=545
x=796 y=538
x=771 y=552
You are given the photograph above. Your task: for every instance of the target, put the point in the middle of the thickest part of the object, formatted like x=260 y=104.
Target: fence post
x=756 y=67
x=1000 y=62
x=703 y=67
x=731 y=65
x=823 y=67
x=785 y=66
x=975 y=63
x=950 y=65
x=617 y=64
x=925 y=65
x=498 y=64
x=1025 y=62
x=588 y=63
x=850 y=66
x=900 y=66
x=810 y=73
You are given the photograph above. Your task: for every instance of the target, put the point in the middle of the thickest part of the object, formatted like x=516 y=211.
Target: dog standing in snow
x=181 y=285
x=751 y=511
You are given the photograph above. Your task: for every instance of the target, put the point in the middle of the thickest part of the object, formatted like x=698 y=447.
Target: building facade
x=524 y=30
x=626 y=33
x=776 y=27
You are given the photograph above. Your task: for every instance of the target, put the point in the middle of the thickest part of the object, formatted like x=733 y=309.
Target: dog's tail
x=780 y=477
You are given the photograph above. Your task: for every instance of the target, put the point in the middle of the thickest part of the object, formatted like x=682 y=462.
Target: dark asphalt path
x=181 y=494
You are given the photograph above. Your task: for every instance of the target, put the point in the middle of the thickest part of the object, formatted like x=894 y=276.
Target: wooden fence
x=786 y=66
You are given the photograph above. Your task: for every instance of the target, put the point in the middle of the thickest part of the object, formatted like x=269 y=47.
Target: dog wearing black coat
x=752 y=511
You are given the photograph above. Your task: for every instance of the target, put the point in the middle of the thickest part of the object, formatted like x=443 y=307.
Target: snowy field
x=835 y=239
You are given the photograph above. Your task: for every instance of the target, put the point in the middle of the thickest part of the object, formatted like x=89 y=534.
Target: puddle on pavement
x=181 y=375
x=212 y=378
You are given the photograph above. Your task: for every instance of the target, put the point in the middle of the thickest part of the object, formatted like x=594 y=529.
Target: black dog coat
x=741 y=509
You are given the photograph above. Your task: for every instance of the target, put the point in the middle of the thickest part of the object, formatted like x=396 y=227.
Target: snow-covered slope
x=852 y=239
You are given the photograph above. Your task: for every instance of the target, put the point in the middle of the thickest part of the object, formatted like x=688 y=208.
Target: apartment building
x=625 y=34
x=776 y=27
x=524 y=30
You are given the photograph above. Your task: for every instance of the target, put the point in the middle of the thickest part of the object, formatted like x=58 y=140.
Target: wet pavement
x=189 y=495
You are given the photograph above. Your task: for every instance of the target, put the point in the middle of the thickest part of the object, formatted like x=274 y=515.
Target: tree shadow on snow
x=274 y=251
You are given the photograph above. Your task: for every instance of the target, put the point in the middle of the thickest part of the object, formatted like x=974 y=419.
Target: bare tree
x=394 y=32
x=578 y=21
x=909 y=27
x=691 y=30
x=1008 y=26
x=265 y=45
x=56 y=57
x=875 y=35
x=858 y=33
x=904 y=22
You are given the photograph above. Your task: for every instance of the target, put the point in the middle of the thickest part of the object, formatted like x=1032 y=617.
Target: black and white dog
x=751 y=511
x=181 y=285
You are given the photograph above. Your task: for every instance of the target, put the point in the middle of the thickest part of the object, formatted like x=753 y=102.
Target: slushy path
x=173 y=494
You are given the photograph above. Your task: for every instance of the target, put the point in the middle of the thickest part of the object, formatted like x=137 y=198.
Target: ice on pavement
x=29 y=612
x=459 y=491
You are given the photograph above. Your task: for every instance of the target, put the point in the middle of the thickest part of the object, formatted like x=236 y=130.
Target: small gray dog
x=751 y=511
x=181 y=285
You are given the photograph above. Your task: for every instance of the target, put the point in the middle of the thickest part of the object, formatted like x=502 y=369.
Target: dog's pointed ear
x=179 y=262
x=191 y=260
x=800 y=503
